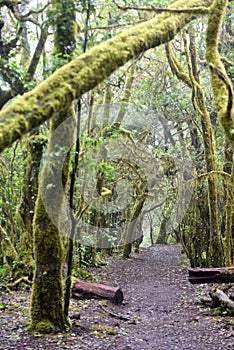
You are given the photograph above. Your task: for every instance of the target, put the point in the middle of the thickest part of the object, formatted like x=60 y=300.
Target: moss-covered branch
x=87 y=71
x=222 y=87
x=176 y=67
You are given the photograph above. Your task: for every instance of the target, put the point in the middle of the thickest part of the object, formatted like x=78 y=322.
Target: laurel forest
x=116 y=130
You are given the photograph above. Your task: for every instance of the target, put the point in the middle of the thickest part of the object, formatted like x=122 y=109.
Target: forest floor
x=162 y=311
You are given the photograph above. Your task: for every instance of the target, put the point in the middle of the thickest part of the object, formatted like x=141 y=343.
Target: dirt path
x=161 y=306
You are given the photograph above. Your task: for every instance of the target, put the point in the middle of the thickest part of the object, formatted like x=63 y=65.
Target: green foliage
x=108 y=170
x=18 y=74
x=45 y=327
x=4 y=274
x=230 y=57
x=82 y=274
x=55 y=61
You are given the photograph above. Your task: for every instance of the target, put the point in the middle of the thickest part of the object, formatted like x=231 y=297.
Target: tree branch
x=38 y=51
x=176 y=66
x=31 y=12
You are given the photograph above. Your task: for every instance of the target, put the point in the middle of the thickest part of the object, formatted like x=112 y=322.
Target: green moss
x=45 y=327
x=83 y=275
x=176 y=67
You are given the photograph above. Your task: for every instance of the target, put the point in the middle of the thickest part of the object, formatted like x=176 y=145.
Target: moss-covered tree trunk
x=127 y=93
x=223 y=92
x=194 y=229
x=47 y=313
x=47 y=293
x=215 y=253
x=229 y=224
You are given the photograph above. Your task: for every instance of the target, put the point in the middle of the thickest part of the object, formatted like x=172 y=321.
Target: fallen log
x=211 y=275
x=220 y=299
x=88 y=290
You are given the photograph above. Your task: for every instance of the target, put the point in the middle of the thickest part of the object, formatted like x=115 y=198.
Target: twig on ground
x=113 y=314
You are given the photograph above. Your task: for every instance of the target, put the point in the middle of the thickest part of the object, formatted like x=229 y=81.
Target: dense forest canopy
x=72 y=66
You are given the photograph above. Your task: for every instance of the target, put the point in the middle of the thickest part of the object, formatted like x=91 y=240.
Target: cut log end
x=118 y=297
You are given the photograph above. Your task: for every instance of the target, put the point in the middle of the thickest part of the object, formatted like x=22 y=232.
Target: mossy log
x=211 y=275
x=88 y=290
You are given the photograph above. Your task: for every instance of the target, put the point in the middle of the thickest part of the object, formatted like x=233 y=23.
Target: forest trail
x=165 y=305
x=160 y=305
